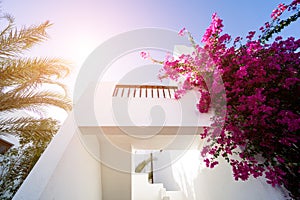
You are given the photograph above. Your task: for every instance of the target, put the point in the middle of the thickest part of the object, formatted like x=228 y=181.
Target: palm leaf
x=31 y=71
x=14 y=41
x=16 y=101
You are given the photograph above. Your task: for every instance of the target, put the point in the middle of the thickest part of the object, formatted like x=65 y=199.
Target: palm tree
x=27 y=86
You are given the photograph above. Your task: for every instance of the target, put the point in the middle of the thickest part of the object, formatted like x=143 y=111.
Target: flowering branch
x=256 y=128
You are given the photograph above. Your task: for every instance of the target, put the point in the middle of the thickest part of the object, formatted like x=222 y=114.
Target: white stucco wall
x=64 y=171
x=189 y=175
x=211 y=186
x=77 y=176
x=198 y=182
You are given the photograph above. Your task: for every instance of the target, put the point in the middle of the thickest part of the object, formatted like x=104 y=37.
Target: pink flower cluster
x=182 y=32
x=145 y=55
x=215 y=28
x=278 y=11
x=261 y=86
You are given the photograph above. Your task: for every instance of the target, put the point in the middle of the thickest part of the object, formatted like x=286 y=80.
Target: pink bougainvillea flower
x=145 y=55
x=182 y=32
x=237 y=39
x=278 y=11
x=214 y=28
x=250 y=35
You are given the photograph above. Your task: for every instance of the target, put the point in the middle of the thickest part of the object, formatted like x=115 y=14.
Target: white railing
x=145 y=91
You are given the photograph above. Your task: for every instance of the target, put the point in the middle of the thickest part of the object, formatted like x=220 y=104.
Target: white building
x=97 y=149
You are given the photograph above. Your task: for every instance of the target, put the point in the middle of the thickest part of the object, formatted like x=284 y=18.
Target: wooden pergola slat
x=133 y=88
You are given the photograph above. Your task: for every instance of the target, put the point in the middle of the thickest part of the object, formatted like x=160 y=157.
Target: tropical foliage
x=28 y=87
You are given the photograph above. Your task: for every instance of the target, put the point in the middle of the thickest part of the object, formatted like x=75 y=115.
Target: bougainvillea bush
x=253 y=86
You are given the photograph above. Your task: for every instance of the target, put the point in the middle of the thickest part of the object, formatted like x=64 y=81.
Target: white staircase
x=142 y=189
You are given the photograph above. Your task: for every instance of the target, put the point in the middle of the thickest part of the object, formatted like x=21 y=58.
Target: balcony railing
x=145 y=91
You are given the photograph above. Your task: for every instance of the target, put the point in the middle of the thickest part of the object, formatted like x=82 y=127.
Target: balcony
x=113 y=105
x=144 y=116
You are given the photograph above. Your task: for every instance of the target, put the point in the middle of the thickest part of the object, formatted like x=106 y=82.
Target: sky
x=79 y=26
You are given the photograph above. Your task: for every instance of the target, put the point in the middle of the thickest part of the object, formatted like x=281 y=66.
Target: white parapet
x=100 y=107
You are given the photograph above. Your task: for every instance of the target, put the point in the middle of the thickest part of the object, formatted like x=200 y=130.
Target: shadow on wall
x=198 y=182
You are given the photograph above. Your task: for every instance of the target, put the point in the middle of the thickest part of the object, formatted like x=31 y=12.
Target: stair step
x=155 y=190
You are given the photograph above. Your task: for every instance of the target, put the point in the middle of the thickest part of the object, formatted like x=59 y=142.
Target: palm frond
x=29 y=126
x=10 y=23
x=14 y=41
x=27 y=71
x=18 y=101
